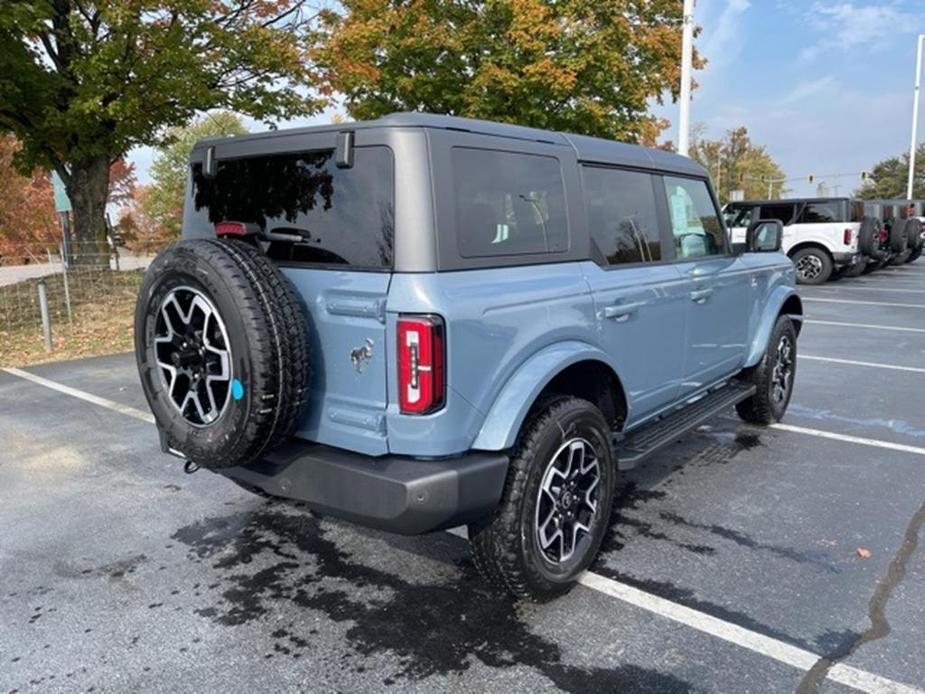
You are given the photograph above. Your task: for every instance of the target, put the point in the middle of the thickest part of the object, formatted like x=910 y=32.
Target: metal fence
x=49 y=298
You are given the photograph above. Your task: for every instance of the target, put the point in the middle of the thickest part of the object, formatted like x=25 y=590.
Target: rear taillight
x=230 y=229
x=421 y=358
x=848 y=237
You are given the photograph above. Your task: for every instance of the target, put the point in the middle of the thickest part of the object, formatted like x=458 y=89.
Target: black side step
x=643 y=442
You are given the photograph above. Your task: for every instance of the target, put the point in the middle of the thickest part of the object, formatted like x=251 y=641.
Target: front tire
x=773 y=377
x=813 y=266
x=555 y=506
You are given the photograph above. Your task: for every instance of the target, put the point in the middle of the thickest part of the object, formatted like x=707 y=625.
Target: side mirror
x=764 y=236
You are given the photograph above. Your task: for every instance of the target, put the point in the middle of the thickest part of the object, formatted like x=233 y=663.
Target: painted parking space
x=125 y=574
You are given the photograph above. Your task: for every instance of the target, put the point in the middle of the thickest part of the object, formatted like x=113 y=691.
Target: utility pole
x=915 y=115
x=687 y=66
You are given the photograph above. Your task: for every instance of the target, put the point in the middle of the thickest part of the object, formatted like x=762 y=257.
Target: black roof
x=791 y=200
x=591 y=149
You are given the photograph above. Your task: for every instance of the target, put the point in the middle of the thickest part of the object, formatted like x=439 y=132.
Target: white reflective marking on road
x=88 y=397
x=847 y=438
x=898 y=328
x=865 y=288
x=713 y=626
x=742 y=637
x=852 y=362
x=865 y=303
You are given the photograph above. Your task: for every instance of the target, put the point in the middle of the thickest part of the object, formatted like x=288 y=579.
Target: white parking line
x=865 y=325
x=847 y=438
x=852 y=362
x=865 y=288
x=727 y=631
x=87 y=397
x=865 y=303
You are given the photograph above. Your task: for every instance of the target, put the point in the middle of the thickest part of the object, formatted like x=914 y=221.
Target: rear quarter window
x=508 y=203
x=821 y=213
x=311 y=210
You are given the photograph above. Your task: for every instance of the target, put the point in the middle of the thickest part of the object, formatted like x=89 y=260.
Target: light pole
x=687 y=66
x=915 y=114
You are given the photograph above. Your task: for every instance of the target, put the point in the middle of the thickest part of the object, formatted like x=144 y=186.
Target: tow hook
x=189 y=467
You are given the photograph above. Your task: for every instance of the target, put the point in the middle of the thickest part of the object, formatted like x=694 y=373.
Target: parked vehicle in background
x=424 y=321
x=820 y=234
x=903 y=221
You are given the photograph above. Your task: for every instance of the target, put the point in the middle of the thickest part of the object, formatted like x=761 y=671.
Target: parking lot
x=740 y=559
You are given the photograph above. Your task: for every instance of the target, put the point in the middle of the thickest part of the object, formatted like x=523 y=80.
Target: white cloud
x=805 y=90
x=845 y=26
x=723 y=38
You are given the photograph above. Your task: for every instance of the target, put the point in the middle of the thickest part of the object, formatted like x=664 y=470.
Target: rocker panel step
x=643 y=442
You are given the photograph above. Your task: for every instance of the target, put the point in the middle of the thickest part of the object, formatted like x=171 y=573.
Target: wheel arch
x=810 y=244
x=783 y=301
x=567 y=368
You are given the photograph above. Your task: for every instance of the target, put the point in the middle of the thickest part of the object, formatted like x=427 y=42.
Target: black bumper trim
x=396 y=494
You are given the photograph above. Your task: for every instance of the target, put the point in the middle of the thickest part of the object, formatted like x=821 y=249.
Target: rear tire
x=813 y=265
x=222 y=351
x=545 y=532
x=898 y=239
x=773 y=377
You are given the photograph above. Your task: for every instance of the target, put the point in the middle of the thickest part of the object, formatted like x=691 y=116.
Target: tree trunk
x=87 y=189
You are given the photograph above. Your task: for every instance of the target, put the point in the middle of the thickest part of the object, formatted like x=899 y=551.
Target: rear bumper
x=396 y=494
x=848 y=258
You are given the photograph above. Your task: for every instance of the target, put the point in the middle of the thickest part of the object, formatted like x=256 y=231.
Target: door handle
x=700 y=296
x=621 y=312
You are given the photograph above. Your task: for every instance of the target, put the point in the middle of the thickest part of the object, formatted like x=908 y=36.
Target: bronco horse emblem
x=360 y=356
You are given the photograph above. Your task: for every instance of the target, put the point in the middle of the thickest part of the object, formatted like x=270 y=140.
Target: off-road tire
x=823 y=259
x=504 y=546
x=269 y=349
x=867 y=235
x=898 y=237
x=762 y=408
x=914 y=255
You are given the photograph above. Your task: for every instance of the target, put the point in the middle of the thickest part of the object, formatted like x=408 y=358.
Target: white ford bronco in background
x=820 y=234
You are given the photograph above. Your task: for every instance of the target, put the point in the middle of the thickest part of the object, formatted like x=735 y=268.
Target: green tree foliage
x=84 y=81
x=736 y=163
x=889 y=179
x=164 y=202
x=585 y=66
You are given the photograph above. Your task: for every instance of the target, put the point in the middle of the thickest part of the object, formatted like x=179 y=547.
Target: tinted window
x=820 y=213
x=696 y=226
x=783 y=213
x=621 y=214
x=739 y=215
x=508 y=203
x=330 y=215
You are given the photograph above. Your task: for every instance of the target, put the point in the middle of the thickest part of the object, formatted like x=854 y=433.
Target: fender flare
x=772 y=309
x=506 y=415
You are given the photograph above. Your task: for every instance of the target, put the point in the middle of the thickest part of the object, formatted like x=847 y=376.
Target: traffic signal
x=865 y=175
x=812 y=178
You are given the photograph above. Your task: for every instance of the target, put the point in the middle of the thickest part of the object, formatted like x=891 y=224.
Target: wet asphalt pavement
x=119 y=573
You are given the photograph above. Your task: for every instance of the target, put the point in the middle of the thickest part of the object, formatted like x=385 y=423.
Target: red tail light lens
x=421 y=358
x=848 y=237
x=230 y=228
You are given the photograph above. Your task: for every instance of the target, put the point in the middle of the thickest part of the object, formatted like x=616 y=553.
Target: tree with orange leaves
x=586 y=66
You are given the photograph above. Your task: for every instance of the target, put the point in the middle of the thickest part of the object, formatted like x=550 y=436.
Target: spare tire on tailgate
x=898 y=238
x=222 y=351
x=867 y=236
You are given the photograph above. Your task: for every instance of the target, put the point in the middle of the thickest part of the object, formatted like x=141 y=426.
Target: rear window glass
x=782 y=213
x=313 y=211
x=508 y=203
x=821 y=213
x=622 y=215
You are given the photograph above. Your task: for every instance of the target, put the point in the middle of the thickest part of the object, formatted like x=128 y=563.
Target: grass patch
x=99 y=327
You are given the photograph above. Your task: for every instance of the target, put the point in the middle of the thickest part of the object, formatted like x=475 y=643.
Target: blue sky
x=826 y=85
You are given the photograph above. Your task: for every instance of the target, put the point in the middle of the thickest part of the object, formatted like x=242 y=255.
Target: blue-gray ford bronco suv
x=422 y=322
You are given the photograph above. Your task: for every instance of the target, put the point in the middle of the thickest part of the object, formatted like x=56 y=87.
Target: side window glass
x=739 y=215
x=508 y=203
x=622 y=217
x=782 y=213
x=820 y=213
x=694 y=223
